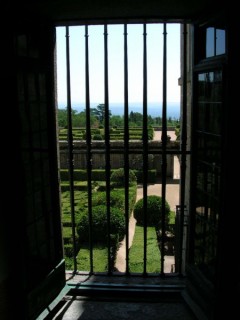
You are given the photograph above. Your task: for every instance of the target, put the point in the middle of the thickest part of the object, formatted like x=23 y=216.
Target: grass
x=136 y=254
x=99 y=259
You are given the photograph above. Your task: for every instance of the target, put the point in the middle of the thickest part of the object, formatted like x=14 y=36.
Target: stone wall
x=98 y=151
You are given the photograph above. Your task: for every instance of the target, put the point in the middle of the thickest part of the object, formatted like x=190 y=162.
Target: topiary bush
x=117 y=178
x=99 y=224
x=116 y=199
x=97 y=137
x=154 y=211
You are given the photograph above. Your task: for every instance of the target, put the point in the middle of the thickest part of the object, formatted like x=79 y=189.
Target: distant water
x=154 y=108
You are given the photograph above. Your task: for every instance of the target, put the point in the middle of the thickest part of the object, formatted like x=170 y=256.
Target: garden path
x=172 y=197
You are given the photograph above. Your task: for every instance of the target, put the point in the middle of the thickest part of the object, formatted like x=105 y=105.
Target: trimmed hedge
x=81 y=175
x=135 y=133
x=100 y=175
x=152 y=175
x=154 y=211
x=100 y=225
x=117 y=178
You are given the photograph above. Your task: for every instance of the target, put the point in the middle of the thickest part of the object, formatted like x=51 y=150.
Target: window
x=130 y=62
x=207 y=156
x=213 y=42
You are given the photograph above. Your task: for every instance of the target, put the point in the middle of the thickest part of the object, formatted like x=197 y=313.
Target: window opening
x=117 y=88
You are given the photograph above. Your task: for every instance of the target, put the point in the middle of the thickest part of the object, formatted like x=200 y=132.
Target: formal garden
x=92 y=235
x=99 y=230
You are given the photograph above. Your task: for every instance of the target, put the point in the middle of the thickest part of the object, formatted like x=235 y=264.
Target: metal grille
x=142 y=148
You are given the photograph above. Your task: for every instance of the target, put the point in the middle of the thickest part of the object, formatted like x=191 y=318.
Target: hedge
x=100 y=175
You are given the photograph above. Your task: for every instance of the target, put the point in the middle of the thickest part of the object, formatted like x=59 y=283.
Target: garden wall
x=98 y=150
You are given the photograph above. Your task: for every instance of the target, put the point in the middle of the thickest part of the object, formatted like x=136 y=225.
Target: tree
x=158 y=121
x=135 y=118
x=78 y=119
x=62 y=117
x=99 y=112
x=117 y=121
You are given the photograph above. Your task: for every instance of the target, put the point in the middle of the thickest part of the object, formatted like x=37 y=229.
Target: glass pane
x=214 y=123
x=208 y=169
x=201 y=87
x=209 y=105
x=220 y=41
x=201 y=116
x=217 y=87
x=210 y=42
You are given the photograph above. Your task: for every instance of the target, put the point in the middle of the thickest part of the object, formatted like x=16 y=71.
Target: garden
x=95 y=239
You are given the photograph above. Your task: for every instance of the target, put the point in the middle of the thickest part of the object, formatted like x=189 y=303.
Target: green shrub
x=98 y=198
x=97 y=137
x=68 y=250
x=177 y=132
x=116 y=199
x=96 y=131
x=99 y=224
x=81 y=175
x=117 y=178
x=152 y=175
x=154 y=211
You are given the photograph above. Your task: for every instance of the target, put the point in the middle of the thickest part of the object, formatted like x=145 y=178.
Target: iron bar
x=89 y=148
x=145 y=147
x=183 y=145
x=164 y=146
x=126 y=146
x=107 y=147
x=70 y=147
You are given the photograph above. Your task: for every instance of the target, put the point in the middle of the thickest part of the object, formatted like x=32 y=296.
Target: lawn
x=136 y=254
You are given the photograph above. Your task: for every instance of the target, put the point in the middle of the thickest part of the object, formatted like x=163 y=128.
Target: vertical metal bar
x=126 y=146
x=164 y=144
x=183 y=144
x=89 y=148
x=145 y=146
x=70 y=147
x=193 y=146
x=107 y=146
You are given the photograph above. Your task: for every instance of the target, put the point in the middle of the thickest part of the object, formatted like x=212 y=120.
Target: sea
x=154 y=108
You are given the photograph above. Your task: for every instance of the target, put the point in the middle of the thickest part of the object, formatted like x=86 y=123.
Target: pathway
x=172 y=197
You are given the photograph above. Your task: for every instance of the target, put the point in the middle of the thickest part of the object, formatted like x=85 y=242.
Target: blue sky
x=116 y=63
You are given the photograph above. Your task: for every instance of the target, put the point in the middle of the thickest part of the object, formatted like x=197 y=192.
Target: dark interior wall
x=11 y=249
x=228 y=284
x=31 y=242
x=61 y=11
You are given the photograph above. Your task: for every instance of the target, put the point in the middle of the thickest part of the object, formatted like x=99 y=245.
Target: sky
x=116 y=63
